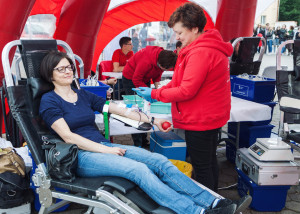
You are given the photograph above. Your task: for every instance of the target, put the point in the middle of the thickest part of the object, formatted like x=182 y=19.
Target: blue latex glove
x=144 y=92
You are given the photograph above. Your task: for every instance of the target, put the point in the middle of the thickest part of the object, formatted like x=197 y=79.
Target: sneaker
x=229 y=209
x=242 y=204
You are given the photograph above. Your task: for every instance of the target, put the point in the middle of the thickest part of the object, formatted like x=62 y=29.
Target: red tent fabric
x=133 y=13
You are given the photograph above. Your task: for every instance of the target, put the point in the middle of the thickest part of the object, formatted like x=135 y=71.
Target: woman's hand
x=115 y=151
x=158 y=122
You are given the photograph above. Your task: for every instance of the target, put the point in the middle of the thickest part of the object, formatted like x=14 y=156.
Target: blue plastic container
x=168 y=144
x=249 y=133
x=160 y=108
x=99 y=90
x=257 y=91
x=264 y=198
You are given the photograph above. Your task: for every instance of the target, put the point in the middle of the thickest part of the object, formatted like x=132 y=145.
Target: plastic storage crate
x=168 y=144
x=133 y=99
x=249 y=133
x=99 y=90
x=160 y=108
x=257 y=91
x=264 y=198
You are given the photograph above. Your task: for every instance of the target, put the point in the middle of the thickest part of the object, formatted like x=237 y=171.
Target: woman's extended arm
x=62 y=129
x=139 y=116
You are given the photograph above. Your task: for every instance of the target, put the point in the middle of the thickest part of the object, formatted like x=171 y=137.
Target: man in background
x=121 y=56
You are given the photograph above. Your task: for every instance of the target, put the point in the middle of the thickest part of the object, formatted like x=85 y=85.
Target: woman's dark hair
x=50 y=61
x=191 y=15
x=167 y=59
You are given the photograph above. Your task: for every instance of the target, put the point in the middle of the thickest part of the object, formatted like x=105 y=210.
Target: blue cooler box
x=264 y=198
x=257 y=91
x=168 y=144
x=230 y=152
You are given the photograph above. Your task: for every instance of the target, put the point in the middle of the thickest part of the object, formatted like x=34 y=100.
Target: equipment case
x=267 y=173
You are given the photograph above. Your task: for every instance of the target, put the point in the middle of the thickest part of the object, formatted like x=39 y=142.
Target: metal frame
x=104 y=200
x=81 y=66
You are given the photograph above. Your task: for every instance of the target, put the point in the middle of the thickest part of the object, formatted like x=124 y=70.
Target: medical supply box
x=99 y=90
x=254 y=90
x=267 y=173
x=168 y=144
x=264 y=198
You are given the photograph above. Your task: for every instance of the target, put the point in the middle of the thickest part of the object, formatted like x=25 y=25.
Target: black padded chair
x=241 y=60
x=288 y=89
x=110 y=194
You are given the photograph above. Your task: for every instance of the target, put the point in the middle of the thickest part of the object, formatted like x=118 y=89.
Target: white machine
x=271 y=149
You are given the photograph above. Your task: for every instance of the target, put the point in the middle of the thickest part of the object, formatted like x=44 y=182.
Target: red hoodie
x=142 y=67
x=200 y=87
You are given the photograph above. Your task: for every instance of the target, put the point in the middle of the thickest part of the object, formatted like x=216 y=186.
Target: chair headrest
x=33 y=52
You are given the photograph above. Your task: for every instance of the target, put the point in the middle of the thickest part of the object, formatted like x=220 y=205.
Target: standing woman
x=199 y=90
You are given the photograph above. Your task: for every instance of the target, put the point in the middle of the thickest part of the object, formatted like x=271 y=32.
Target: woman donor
x=199 y=90
x=70 y=113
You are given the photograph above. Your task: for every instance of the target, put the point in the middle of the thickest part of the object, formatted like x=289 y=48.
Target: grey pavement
x=228 y=175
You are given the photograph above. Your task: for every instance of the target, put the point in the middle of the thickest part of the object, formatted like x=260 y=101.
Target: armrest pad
x=120 y=184
x=290 y=104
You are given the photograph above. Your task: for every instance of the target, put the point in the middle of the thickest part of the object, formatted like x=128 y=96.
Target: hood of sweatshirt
x=152 y=53
x=210 y=39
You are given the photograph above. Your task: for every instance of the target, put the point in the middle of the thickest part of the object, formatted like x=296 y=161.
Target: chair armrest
x=290 y=104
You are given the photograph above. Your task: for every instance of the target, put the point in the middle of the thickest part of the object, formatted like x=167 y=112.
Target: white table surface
x=118 y=75
x=241 y=110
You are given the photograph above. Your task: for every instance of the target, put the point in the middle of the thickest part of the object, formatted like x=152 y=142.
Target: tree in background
x=289 y=10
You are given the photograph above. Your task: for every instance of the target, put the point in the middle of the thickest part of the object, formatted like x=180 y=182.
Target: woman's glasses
x=63 y=69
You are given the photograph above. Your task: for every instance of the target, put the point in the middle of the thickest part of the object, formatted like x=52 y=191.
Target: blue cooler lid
x=168 y=137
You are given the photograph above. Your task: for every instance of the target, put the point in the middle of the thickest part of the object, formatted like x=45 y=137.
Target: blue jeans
x=152 y=172
x=270 y=43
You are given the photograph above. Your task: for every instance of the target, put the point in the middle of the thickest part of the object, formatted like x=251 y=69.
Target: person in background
x=146 y=65
x=269 y=38
x=121 y=56
x=143 y=35
x=297 y=36
x=178 y=47
x=135 y=41
x=282 y=35
x=69 y=112
x=260 y=42
x=276 y=38
x=290 y=36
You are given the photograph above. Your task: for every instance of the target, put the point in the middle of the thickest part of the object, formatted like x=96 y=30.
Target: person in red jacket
x=199 y=90
x=199 y=93
x=148 y=63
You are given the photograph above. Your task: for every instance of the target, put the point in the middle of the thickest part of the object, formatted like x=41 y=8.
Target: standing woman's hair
x=191 y=15
x=167 y=59
x=50 y=61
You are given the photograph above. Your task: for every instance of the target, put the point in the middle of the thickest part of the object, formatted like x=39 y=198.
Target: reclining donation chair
x=241 y=60
x=288 y=89
x=109 y=194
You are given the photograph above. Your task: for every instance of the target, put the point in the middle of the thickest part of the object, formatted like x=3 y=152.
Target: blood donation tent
x=259 y=166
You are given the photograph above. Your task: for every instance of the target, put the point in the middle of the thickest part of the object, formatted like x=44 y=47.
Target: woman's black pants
x=202 y=148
